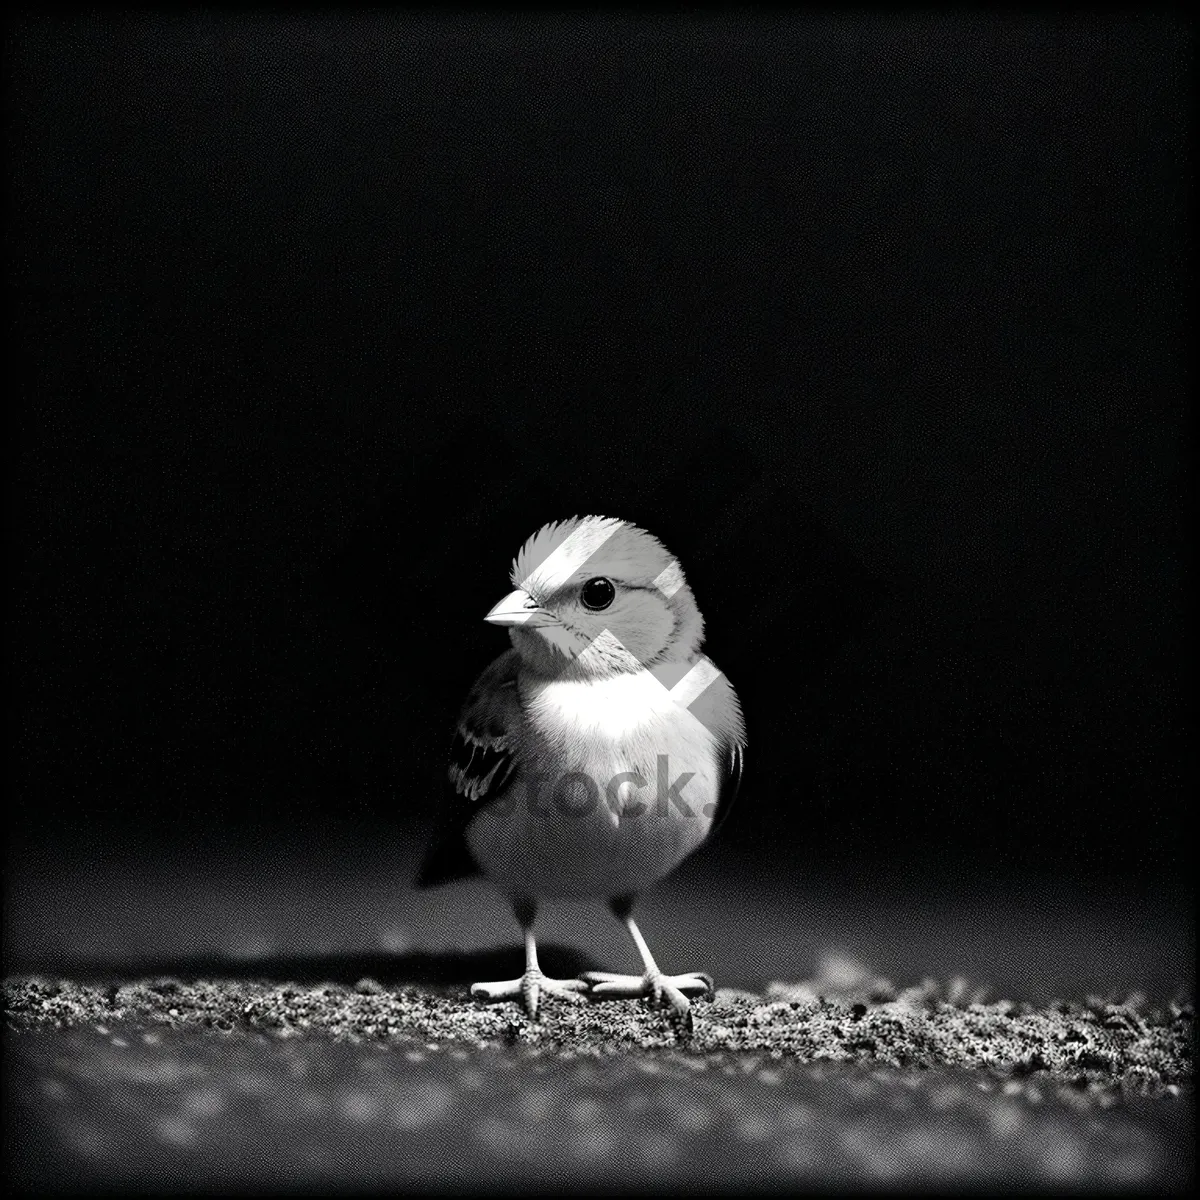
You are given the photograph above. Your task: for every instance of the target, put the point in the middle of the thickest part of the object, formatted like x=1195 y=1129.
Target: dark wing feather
x=734 y=754
x=481 y=765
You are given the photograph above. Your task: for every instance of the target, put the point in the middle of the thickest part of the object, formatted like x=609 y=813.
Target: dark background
x=877 y=322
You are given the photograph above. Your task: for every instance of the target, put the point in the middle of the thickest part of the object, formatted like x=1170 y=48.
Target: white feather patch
x=549 y=559
x=670 y=579
x=695 y=682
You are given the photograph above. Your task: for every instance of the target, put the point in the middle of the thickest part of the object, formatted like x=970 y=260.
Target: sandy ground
x=299 y=1021
x=843 y=1081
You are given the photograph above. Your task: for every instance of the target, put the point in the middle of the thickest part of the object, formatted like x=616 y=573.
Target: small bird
x=594 y=755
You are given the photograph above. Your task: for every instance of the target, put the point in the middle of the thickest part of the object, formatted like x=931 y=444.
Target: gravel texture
x=1100 y=1046
x=837 y=1082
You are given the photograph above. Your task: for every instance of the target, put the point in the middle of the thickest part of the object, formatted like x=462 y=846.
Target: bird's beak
x=519 y=608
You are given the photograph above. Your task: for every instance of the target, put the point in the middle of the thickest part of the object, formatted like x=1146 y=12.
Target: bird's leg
x=529 y=988
x=662 y=990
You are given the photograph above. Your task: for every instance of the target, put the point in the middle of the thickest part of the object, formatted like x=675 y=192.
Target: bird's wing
x=732 y=757
x=481 y=766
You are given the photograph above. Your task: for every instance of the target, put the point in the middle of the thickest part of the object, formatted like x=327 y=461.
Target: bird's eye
x=598 y=593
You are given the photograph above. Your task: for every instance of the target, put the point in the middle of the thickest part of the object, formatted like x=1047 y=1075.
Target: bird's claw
x=528 y=990
x=663 y=991
x=654 y=984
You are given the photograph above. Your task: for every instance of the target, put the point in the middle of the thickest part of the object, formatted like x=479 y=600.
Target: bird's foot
x=528 y=990
x=663 y=991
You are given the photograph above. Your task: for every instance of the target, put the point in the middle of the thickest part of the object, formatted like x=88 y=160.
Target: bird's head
x=597 y=597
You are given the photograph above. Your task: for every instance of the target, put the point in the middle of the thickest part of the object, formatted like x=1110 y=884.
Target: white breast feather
x=635 y=835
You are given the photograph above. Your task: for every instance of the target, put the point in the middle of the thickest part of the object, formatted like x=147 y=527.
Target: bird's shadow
x=428 y=968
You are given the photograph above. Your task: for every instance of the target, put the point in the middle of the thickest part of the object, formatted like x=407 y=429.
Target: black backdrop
x=876 y=322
